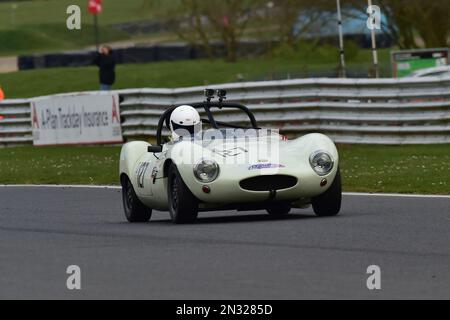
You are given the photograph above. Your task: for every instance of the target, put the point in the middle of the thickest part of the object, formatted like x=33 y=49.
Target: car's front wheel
x=135 y=210
x=183 y=205
x=329 y=203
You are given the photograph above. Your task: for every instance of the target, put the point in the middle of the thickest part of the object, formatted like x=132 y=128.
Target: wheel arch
x=166 y=167
x=123 y=178
x=129 y=155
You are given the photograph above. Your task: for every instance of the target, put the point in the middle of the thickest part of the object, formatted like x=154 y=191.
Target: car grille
x=268 y=182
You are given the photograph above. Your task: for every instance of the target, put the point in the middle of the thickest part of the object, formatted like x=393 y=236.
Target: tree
x=201 y=22
x=432 y=21
x=409 y=18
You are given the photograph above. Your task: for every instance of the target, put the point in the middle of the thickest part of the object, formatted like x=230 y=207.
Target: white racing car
x=225 y=165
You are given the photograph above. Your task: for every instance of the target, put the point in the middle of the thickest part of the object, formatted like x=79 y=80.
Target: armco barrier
x=15 y=122
x=378 y=111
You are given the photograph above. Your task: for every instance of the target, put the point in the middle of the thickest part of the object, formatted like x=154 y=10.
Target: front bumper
x=226 y=189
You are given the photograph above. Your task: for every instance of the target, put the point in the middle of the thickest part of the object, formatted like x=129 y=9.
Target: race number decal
x=154 y=174
x=230 y=152
x=142 y=169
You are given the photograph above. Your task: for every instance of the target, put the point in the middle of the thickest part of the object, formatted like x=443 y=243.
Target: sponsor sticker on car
x=265 y=166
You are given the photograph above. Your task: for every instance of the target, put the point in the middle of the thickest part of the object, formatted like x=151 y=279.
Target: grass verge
x=398 y=169
x=31 y=83
x=40 y=26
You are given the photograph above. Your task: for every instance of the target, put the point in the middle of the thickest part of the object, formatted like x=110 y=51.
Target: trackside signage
x=76 y=119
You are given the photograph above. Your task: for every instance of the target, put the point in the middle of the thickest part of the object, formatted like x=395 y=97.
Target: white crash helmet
x=184 y=120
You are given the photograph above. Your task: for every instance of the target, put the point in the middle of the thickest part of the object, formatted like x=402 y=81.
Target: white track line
x=61 y=186
x=363 y=194
x=401 y=195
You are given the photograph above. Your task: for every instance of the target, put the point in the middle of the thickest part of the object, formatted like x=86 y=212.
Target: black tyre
x=135 y=210
x=183 y=206
x=329 y=203
x=280 y=209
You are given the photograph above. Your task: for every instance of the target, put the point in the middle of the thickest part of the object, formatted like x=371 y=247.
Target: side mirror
x=154 y=149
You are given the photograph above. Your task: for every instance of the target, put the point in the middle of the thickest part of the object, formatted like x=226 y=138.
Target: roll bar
x=207 y=106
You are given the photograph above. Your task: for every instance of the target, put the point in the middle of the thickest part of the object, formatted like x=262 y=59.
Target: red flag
x=95 y=6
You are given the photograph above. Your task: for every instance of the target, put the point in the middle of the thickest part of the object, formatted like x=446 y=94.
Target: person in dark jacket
x=106 y=61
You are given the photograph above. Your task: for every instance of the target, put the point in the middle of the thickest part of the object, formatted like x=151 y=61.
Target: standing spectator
x=106 y=61
x=2 y=94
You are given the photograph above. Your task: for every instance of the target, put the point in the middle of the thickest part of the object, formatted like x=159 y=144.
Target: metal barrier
x=371 y=111
x=15 y=122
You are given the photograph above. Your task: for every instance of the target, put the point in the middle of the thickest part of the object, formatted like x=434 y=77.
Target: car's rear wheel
x=183 y=206
x=280 y=209
x=329 y=203
x=135 y=210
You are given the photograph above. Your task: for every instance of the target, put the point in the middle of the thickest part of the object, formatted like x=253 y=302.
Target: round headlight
x=206 y=170
x=321 y=162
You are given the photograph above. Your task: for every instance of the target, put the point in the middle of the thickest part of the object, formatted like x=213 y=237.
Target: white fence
x=386 y=111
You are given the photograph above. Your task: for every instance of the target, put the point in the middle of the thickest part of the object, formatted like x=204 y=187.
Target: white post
x=374 y=47
x=341 y=41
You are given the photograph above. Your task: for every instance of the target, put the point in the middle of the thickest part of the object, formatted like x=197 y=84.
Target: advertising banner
x=76 y=119
x=405 y=62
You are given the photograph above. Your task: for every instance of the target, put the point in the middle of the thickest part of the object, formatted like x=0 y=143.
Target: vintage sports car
x=227 y=165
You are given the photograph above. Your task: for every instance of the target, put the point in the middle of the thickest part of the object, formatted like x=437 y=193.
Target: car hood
x=268 y=152
x=253 y=154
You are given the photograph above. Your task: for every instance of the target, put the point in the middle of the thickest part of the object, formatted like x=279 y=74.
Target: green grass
x=59 y=165
x=175 y=74
x=39 y=26
x=402 y=169
x=54 y=11
x=52 y=37
x=399 y=169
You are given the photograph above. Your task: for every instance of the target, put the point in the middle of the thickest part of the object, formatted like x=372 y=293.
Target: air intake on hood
x=268 y=182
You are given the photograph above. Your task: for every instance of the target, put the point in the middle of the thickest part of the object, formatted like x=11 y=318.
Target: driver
x=184 y=120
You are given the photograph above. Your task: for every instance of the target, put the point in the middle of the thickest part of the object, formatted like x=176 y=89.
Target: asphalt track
x=226 y=255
